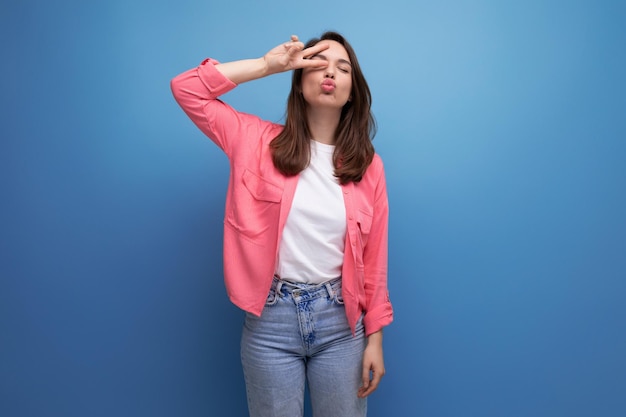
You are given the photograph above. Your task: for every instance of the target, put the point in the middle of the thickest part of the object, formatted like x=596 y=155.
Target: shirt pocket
x=260 y=188
x=255 y=207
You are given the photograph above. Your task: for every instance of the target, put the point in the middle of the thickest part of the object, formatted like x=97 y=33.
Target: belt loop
x=279 y=285
x=329 y=288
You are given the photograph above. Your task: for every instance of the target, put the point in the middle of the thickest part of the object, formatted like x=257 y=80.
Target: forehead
x=335 y=51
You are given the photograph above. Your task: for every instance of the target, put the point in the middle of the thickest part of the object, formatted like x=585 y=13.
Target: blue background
x=502 y=126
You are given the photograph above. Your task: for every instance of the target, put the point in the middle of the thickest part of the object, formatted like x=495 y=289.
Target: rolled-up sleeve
x=378 y=309
x=197 y=91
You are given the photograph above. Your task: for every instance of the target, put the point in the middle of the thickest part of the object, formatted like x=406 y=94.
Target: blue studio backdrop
x=503 y=131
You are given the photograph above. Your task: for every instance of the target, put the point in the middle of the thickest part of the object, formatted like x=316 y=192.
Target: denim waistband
x=299 y=289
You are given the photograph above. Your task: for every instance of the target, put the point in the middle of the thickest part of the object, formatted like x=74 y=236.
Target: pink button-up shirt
x=259 y=198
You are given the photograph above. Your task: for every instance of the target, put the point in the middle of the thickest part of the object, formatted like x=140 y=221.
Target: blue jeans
x=303 y=335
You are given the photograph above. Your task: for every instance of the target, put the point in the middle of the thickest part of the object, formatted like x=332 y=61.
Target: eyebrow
x=341 y=60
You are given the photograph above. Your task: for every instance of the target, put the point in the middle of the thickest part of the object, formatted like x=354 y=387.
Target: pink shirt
x=259 y=198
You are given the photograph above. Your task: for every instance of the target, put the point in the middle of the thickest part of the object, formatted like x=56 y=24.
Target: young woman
x=305 y=228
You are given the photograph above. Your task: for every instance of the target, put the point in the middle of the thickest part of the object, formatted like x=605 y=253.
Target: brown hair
x=354 y=151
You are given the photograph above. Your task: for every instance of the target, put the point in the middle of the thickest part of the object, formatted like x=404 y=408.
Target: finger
x=309 y=53
x=294 y=47
x=376 y=377
x=364 y=392
x=293 y=41
x=315 y=49
x=372 y=383
x=312 y=63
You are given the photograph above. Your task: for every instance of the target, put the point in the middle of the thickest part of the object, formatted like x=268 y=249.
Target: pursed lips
x=328 y=85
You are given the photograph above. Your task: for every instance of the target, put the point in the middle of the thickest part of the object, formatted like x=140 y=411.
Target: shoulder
x=377 y=160
x=376 y=167
x=374 y=176
x=269 y=130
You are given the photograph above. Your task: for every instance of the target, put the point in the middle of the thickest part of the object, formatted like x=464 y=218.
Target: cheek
x=307 y=84
x=348 y=88
x=307 y=90
x=347 y=81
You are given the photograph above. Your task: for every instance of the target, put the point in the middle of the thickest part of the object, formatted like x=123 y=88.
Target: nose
x=329 y=73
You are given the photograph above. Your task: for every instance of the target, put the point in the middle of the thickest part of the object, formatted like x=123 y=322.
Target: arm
x=197 y=90
x=379 y=311
x=287 y=56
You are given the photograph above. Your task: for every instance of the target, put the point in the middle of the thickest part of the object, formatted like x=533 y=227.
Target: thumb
x=366 y=377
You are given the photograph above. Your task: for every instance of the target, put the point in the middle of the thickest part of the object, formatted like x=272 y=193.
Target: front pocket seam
x=253 y=182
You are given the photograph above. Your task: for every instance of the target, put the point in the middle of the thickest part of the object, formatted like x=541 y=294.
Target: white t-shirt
x=312 y=245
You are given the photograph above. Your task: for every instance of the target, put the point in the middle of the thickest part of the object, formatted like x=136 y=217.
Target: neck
x=323 y=124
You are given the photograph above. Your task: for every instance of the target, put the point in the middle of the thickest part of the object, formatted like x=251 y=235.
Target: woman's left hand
x=373 y=364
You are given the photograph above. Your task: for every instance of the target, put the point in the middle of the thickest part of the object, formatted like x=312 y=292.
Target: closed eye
x=343 y=65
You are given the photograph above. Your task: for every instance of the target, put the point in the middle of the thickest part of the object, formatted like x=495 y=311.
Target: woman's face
x=330 y=86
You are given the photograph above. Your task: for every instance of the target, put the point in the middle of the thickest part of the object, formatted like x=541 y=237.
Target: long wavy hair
x=291 y=152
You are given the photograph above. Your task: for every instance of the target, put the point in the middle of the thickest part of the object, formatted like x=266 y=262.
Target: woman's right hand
x=292 y=55
x=284 y=57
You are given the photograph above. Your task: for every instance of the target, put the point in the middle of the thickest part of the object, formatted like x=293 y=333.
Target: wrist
x=263 y=66
x=375 y=338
